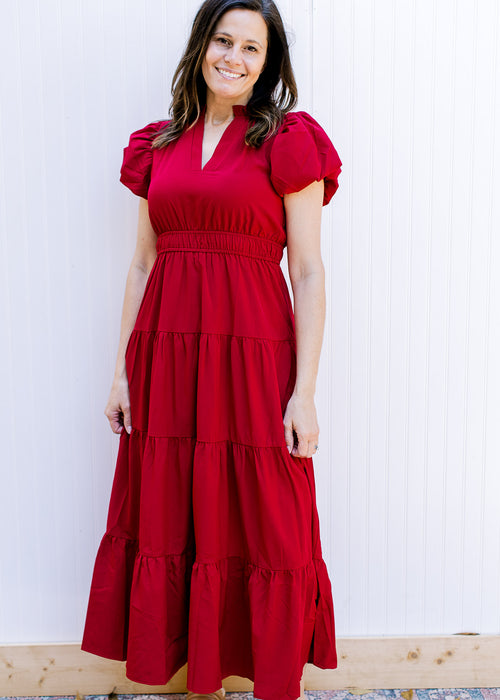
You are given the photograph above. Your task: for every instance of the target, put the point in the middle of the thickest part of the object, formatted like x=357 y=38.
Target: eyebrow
x=250 y=41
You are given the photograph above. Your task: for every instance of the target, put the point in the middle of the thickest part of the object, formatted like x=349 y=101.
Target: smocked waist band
x=220 y=241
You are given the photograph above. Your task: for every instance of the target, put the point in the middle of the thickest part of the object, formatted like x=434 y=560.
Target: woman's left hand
x=300 y=417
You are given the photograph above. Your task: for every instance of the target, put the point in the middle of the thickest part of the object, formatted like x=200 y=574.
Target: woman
x=212 y=552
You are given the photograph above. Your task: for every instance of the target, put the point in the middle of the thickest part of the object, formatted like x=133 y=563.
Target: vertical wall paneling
x=409 y=383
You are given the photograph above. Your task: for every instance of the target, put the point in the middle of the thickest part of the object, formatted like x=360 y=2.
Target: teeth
x=228 y=74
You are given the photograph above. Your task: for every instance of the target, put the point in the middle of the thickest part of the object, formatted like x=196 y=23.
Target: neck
x=219 y=111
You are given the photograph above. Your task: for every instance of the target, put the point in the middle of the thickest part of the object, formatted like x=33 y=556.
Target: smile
x=229 y=74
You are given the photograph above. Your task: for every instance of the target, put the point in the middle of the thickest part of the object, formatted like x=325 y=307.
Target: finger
x=127 y=419
x=312 y=448
x=288 y=437
x=115 y=421
x=301 y=449
x=115 y=425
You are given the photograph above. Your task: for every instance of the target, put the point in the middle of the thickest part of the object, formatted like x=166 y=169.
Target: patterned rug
x=352 y=694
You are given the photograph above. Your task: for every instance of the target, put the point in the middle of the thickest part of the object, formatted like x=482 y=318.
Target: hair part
x=274 y=94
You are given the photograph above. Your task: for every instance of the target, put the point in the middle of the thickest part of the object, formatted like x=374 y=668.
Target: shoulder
x=301 y=152
x=141 y=138
x=301 y=130
x=135 y=172
x=296 y=122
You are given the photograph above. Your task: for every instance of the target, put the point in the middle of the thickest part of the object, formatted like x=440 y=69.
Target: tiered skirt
x=212 y=552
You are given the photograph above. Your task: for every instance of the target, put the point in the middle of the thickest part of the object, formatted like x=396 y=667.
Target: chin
x=232 y=94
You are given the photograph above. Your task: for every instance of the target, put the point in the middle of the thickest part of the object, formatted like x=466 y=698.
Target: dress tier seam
x=230 y=335
x=210 y=442
x=202 y=563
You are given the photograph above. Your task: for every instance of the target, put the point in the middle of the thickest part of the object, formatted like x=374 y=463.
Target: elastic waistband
x=220 y=241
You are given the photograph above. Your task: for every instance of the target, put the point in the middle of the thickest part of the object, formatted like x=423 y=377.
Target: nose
x=232 y=55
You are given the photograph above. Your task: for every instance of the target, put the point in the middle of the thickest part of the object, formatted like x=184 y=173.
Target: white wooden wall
x=408 y=397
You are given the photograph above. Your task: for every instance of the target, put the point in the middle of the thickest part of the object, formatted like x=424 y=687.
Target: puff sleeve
x=302 y=153
x=135 y=172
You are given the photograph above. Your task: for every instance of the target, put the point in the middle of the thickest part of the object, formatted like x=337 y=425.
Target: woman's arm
x=307 y=276
x=118 y=407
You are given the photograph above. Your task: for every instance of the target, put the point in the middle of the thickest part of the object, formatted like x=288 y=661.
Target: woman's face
x=235 y=56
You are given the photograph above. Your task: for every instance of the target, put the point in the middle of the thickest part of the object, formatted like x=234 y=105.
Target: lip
x=234 y=73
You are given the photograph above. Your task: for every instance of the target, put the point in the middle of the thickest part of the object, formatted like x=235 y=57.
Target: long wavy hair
x=274 y=94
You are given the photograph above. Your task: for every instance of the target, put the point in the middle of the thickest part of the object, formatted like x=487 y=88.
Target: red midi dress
x=212 y=552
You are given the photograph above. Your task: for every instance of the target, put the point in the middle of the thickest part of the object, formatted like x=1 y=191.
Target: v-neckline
x=219 y=152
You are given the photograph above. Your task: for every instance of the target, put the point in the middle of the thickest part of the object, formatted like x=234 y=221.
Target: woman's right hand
x=117 y=409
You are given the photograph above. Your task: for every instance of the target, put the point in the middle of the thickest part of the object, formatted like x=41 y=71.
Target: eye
x=222 y=40
x=251 y=48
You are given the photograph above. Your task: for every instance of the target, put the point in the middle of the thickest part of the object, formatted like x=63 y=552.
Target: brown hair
x=274 y=93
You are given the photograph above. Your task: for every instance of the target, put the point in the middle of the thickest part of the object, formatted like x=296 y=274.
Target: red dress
x=212 y=552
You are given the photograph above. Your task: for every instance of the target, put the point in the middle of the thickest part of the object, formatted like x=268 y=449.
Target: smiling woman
x=212 y=552
x=233 y=62
x=273 y=94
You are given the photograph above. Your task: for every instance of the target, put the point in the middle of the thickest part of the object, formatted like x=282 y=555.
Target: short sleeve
x=302 y=153
x=135 y=172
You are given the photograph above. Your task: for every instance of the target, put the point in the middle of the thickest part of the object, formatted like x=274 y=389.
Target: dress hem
x=124 y=623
